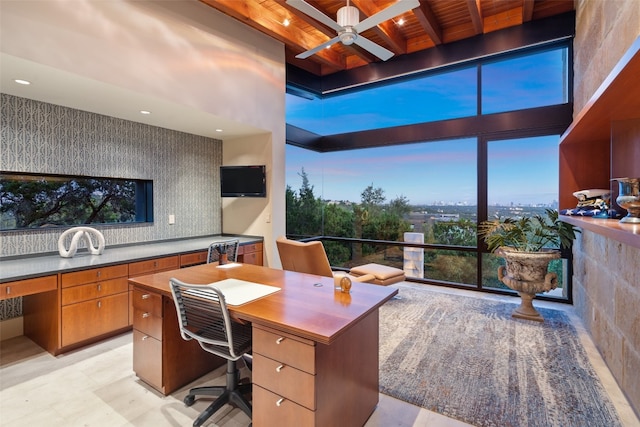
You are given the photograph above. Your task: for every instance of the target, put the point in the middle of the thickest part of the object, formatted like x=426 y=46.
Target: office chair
x=203 y=316
x=311 y=258
x=230 y=247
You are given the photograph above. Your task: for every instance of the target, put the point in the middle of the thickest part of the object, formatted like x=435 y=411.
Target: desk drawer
x=194 y=258
x=93 y=275
x=270 y=408
x=153 y=265
x=284 y=380
x=285 y=348
x=147 y=323
x=94 y=290
x=93 y=318
x=249 y=248
x=147 y=302
x=147 y=359
x=28 y=287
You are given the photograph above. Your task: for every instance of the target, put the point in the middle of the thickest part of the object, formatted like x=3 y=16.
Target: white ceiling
x=77 y=91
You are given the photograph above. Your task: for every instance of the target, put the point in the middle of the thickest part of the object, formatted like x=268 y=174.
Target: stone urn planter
x=528 y=245
x=527 y=273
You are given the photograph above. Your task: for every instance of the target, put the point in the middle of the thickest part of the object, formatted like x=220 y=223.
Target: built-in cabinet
x=67 y=310
x=94 y=302
x=602 y=143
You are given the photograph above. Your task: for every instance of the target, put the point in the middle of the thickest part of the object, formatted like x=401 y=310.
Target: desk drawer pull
x=279 y=368
x=145 y=296
x=99 y=287
x=144 y=338
x=8 y=290
x=279 y=402
x=279 y=340
x=145 y=315
x=99 y=304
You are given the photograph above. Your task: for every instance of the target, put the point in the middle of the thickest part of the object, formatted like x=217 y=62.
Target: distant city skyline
x=521 y=172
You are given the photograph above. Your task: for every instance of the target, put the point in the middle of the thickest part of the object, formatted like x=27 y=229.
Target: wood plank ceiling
x=433 y=23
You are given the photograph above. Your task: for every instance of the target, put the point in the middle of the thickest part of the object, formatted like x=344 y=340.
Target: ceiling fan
x=349 y=27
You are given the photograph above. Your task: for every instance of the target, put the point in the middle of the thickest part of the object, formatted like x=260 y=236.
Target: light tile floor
x=95 y=386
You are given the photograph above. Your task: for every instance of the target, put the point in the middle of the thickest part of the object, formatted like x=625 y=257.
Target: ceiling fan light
x=348 y=16
x=348 y=37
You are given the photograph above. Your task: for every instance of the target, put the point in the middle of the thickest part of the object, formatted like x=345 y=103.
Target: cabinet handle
x=279 y=340
x=145 y=296
x=155 y=264
x=98 y=273
x=99 y=304
x=8 y=290
x=145 y=315
x=144 y=338
x=279 y=368
x=99 y=287
x=279 y=402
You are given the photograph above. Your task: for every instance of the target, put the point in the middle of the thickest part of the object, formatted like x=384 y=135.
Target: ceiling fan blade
x=374 y=48
x=314 y=13
x=398 y=8
x=310 y=52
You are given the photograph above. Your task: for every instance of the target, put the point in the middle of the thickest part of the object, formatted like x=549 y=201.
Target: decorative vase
x=526 y=273
x=629 y=198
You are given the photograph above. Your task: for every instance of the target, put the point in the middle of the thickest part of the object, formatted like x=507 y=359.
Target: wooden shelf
x=591 y=155
x=629 y=234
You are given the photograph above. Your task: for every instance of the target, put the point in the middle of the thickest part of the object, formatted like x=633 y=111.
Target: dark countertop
x=28 y=266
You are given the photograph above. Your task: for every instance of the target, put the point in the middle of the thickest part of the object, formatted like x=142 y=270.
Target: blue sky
x=435 y=172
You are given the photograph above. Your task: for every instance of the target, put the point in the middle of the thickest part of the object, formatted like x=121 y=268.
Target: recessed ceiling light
x=22 y=82
x=145 y=112
x=401 y=21
x=218 y=130
x=286 y=22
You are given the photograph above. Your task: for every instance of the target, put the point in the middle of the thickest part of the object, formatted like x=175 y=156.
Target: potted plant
x=527 y=245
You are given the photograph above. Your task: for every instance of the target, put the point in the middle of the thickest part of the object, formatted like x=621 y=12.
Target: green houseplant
x=527 y=245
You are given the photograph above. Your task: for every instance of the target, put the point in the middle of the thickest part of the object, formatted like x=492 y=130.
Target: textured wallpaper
x=46 y=138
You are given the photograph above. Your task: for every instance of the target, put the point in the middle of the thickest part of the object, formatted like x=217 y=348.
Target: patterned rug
x=468 y=359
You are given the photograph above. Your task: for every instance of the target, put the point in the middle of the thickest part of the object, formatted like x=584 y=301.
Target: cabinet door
x=89 y=319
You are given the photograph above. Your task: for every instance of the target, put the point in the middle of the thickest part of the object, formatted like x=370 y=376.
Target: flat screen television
x=243 y=181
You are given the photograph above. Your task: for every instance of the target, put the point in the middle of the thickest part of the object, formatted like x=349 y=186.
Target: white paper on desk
x=230 y=265
x=238 y=292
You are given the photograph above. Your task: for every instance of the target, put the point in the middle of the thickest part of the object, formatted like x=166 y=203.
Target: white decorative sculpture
x=87 y=232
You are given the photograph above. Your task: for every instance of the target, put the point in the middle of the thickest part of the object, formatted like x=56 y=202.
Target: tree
x=304 y=210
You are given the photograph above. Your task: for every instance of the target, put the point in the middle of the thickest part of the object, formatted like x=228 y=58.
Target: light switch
x=172 y=219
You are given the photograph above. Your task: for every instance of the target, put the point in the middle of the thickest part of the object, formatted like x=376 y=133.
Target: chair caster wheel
x=189 y=399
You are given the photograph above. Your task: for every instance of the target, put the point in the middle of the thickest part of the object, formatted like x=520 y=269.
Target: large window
x=29 y=201
x=430 y=98
x=499 y=160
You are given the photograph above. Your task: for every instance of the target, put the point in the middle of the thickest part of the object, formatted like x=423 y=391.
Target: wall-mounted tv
x=243 y=181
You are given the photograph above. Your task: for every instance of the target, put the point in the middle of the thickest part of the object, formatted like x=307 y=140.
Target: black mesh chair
x=228 y=247
x=203 y=316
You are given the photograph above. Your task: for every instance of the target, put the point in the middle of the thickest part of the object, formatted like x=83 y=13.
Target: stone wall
x=606 y=284
x=604 y=32
x=606 y=292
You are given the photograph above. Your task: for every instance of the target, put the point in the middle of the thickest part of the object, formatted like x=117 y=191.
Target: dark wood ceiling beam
x=429 y=22
x=475 y=10
x=330 y=32
x=253 y=14
x=527 y=10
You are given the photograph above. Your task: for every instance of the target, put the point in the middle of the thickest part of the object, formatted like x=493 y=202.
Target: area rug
x=468 y=359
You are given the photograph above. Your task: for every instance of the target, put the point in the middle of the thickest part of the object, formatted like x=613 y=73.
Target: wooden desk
x=324 y=341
